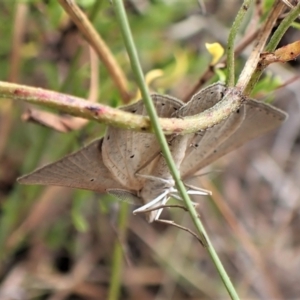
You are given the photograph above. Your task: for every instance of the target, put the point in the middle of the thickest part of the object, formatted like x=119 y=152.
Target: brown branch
x=95 y=40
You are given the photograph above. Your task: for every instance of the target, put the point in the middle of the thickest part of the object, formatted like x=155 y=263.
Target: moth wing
x=259 y=119
x=126 y=152
x=204 y=99
x=204 y=144
x=201 y=144
x=83 y=169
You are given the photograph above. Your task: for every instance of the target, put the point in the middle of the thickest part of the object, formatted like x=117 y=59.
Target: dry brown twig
x=94 y=39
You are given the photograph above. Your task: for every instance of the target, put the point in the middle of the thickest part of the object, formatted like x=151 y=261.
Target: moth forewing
x=83 y=169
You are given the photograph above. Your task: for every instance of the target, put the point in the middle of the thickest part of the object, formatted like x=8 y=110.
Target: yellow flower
x=216 y=51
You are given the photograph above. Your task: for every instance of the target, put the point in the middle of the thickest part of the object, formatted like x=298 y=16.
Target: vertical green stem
x=282 y=28
x=129 y=43
x=230 y=81
x=251 y=73
x=276 y=37
x=117 y=263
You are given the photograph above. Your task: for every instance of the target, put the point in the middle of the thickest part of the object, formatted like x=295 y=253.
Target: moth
x=130 y=166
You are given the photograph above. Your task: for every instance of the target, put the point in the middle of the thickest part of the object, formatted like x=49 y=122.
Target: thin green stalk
x=95 y=9
x=276 y=37
x=117 y=260
x=247 y=79
x=282 y=28
x=230 y=80
x=129 y=43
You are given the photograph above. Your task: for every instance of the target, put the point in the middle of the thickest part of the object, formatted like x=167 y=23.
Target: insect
x=130 y=166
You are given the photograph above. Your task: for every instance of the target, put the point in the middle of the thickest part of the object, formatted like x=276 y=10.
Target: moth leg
x=160 y=208
x=177 y=197
x=193 y=191
x=164 y=197
x=152 y=202
x=165 y=206
x=201 y=239
x=195 y=188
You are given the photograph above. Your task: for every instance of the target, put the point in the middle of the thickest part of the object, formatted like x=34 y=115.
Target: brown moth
x=129 y=165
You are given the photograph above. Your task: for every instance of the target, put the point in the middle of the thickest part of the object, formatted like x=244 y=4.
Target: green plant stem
x=276 y=37
x=117 y=260
x=282 y=28
x=230 y=80
x=79 y=107
x=280 y=31
x=247 y=78
x=128 y=40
